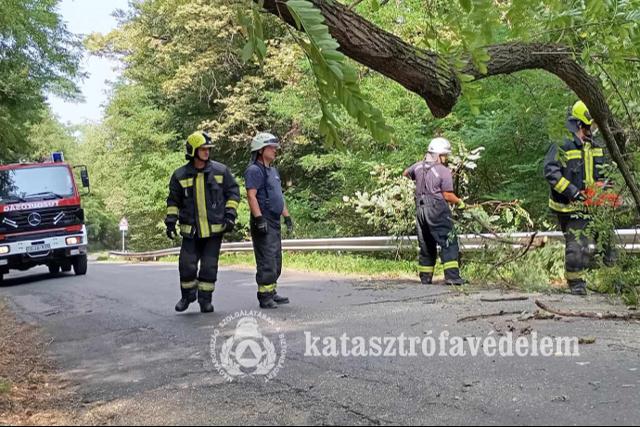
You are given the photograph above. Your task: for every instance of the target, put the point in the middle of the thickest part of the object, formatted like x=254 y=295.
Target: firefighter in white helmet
x=434 y=194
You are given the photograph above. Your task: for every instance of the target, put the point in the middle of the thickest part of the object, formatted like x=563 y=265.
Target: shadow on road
x=31 y=279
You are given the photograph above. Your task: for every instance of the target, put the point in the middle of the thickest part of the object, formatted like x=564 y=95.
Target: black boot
x=279 y=299
x=578 y=287
x=456 y=282
x=266 y=300
x=426 y=278
x=452 y=278
x=188 y=296
x=204 y=299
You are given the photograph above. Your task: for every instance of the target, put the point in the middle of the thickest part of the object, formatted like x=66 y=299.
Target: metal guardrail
x=628 y=240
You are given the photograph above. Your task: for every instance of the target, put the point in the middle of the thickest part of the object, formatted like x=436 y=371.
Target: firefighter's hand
x=172 y=232
x=462 y=205
x=261 y=225
x=229 y=224
x=289 y=223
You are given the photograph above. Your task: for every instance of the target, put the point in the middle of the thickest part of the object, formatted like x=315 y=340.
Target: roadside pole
x=124 y=227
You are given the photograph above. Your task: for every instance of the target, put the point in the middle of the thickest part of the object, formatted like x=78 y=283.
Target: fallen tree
x=430 y=76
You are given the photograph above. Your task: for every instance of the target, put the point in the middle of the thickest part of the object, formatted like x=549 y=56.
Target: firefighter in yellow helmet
x=203 y=198
x=571 y=169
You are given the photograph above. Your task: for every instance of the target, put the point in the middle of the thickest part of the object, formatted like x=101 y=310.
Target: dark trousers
x=268 y=252
x=206 y=253
x=578 y=256
x=434 y=225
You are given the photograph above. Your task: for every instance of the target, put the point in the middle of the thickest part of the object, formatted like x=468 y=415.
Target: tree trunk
x=433 y=79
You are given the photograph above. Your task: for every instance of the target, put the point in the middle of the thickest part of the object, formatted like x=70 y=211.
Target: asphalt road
x=133 y=360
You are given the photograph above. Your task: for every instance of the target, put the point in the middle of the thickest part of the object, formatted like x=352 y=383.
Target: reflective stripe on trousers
x=435 y=228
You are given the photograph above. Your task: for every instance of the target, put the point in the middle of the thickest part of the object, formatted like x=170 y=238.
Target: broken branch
x=589 y=315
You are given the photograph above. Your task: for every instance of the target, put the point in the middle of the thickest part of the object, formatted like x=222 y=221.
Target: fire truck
x=41 y=219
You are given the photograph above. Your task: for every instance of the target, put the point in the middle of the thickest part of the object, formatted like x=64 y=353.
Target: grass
x=344 y=264
x=372 y=265
x=5 y=386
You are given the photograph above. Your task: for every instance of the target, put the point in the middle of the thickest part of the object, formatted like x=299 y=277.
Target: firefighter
x=267 y=204
x=434 y=193
x=203 y=198
x=572 y=169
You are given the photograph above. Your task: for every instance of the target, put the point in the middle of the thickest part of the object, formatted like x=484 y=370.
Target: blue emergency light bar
x=57 y=157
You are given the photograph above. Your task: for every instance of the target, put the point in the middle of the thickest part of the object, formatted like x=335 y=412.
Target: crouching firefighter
x=203 y=198
x=434 y=193
x=572 y=169
x=264 y=193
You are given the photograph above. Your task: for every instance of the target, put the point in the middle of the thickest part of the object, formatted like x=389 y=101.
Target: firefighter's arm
x=553 y=174
x=252 y=197
x=174 y=201
x=409 y=173
x=231 y=195
x=453 y=199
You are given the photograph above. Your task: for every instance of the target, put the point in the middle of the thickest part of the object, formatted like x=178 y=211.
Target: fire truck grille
x=39 y=219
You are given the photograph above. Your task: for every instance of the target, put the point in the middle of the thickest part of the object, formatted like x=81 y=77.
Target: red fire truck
x=41 y=220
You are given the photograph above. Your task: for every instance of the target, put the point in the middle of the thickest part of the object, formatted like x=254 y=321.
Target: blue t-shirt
x=267 y=181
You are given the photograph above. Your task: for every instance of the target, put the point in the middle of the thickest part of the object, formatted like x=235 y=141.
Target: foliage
x=390 y=208
x=48 y=135
x=336 y=79
x=188 y=65
x=538 y=270
x=37 y=56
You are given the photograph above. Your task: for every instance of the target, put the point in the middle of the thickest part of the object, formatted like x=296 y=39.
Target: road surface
x=132 y=360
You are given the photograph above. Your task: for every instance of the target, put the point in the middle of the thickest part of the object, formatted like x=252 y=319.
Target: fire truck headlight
x=74 y=241
x=4 y=250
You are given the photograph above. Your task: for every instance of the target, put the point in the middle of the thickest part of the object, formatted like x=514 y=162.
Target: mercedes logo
x=35 y=219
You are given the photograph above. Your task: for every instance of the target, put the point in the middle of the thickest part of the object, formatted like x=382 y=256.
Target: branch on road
x=489 y=316
x=588 y=315
x=505 y=299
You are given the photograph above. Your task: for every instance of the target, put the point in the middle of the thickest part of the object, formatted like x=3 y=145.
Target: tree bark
x=432 y=78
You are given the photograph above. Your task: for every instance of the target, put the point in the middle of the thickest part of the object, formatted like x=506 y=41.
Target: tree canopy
x=355 y=91
x=38 y=56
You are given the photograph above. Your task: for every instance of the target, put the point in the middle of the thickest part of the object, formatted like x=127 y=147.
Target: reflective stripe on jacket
x=200 y=199
x=571 y=169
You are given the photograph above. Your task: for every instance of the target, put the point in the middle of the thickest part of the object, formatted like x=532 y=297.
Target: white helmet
x=440 y=146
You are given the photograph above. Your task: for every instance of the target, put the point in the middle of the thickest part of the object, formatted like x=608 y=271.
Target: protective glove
x=289 y=223
x=261 y=225
x=229 y=223
x=172 y=232
x=462 y=205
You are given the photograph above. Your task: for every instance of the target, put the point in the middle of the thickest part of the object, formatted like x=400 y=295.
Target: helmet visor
x=272 y=143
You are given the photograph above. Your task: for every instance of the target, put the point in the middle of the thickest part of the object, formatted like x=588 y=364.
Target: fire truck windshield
x=27 y=184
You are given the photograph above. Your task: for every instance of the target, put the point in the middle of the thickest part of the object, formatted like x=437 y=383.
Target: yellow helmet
x=581 y=112
x=197 y=140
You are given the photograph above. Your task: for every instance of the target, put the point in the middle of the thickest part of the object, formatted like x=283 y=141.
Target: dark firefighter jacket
x=571 y=169
x=200 y=200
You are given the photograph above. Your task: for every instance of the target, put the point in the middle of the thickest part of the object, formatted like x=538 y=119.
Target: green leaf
x=336 y=79
x=247 y=51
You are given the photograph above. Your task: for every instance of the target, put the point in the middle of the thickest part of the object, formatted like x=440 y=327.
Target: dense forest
x=348 y=132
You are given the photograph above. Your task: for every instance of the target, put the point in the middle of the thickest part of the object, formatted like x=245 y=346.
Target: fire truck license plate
x=38 y=248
